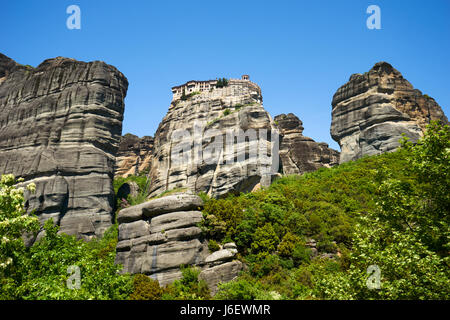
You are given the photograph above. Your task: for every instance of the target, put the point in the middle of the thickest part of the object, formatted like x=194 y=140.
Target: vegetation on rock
x=316 y=236
x=46 y=269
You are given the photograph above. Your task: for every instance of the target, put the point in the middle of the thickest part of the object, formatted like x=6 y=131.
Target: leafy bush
x=143 y=183
x=13 y=223
x=222 y=82
x=44 y=270
x=46 y=265
x=145 y=288
x=407 y=234
x=213 y=245
x=389 y=210
x=189 y=287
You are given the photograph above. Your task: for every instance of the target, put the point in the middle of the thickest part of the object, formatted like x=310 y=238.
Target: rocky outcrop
x=300 y=154
x=134 y=156
x=195 y=147
x=372 y=110
x=60 y=125
x=159 y=236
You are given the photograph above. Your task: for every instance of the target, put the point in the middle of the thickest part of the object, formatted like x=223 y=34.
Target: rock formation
x=159 y=236
x=372 y=110
x=204 y=123
x=134 y=156
x=60 y=125
x=300 y=154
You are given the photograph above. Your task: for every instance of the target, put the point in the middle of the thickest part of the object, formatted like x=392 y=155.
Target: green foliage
x=389 y=210
x=141 y=180
x=213 y=245
x=189 y=287
x=246 y=288
x=407 y=235
x=46 y=265
x=288 y=244
x=145 y=288
x=226 y=112
x=42 y=270
x=222 y=82
x=320 y=205
x=265 y=239
x=13 y=223
x=185 y=96
x=143 y=183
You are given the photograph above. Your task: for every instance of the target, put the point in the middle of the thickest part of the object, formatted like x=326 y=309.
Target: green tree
x=145 y=288
x=189 y=287
x=14 y=222
x=265 y=240
x=47 y=268
x=406 y=236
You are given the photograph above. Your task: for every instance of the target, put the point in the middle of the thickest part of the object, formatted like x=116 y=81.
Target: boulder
x=220 y=255
x=220 y=274
x=172 y=203
x=175 y=220
x=230 y=245
x=159 y=242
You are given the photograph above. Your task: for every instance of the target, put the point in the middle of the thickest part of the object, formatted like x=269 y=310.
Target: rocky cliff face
x=134 y=156
x=372 y=110
x=300 y=154
x=196 y=148
x=60 y=125
x=159 y=236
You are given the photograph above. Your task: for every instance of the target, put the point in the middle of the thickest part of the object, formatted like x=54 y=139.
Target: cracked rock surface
x=300 y=154
x=211 y=166
x=372 y=111
x=159 y=236
x=60 y=125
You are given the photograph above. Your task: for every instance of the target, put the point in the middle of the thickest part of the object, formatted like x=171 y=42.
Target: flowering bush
x=13 y=220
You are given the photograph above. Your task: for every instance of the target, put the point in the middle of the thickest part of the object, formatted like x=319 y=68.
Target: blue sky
x=299 y=52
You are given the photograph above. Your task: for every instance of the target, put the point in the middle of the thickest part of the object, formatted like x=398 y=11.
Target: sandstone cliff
x=204 y=123
x=300 y=154
x=60 y=125
x=134 y=156
x=372 y=110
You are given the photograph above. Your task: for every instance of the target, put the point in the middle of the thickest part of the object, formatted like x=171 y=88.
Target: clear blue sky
x=299 y=52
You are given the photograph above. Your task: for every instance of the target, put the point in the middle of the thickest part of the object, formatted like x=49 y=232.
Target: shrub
x=265 y=239
x=407 y=234
x=13 y=223
x=222 y=82
x=146 y=288
x=242 y=289
x=45 y=272
x=189 y=287
x=287 y=244
x=213 y=245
